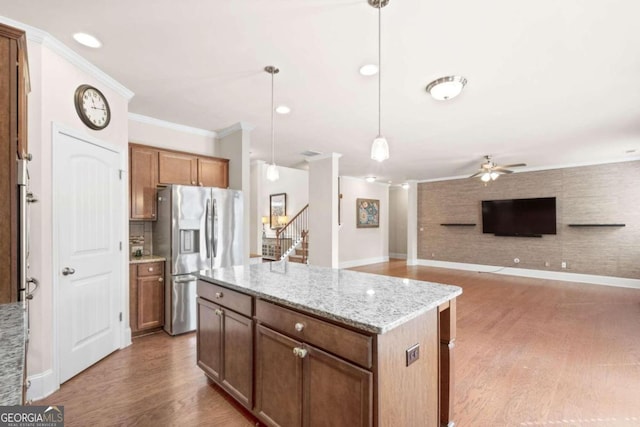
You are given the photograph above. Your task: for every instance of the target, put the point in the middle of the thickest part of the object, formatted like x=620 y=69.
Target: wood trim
x=11 y=32
x=447 y=332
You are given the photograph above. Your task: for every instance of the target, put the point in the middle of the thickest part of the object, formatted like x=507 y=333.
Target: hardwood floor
x=529 y=352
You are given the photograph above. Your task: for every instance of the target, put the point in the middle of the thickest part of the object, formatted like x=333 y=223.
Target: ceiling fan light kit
x=489 y=171
x=446 y=88
x=380 y=146
x=272 y=170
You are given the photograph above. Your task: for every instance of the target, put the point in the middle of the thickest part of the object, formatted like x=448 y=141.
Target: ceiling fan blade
x=501 y=171
x=516 y=165
x=477 y=174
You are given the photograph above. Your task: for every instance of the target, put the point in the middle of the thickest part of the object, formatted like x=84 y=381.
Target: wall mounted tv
x=519 y=217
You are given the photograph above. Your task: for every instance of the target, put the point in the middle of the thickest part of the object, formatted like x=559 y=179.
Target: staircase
x=292 y=239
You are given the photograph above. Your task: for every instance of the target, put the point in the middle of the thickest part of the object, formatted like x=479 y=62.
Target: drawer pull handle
x=218 y=312
x=219 y=295
x=299 y=327
x=300 y=352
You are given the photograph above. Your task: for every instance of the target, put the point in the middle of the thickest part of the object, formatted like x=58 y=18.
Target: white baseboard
x=126 y=338
x=361 y=262
x=538 y=274
x=42 y=385
x=397 y=255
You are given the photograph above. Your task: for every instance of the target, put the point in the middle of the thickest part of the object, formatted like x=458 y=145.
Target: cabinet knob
x=219 y=295
x=299 y=327
x=300 y=352
x=218 y=312
x=160 y=279
x=193 y=183
x=150 y=268
x=153 y=214
x=200 y=183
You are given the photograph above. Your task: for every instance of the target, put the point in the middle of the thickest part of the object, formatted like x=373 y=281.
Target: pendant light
x=380 y=147
x=272 y=169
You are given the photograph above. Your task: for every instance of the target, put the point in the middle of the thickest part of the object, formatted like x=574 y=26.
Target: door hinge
x=121 y=246
x=120 y=173
x=120 y=316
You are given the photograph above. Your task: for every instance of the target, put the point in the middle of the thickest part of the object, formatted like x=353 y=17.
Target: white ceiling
x=551 y=83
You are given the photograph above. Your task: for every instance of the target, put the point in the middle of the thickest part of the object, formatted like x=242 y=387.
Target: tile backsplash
x=141 y=236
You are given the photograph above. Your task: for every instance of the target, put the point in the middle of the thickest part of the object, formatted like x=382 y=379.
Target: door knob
x=67 y=271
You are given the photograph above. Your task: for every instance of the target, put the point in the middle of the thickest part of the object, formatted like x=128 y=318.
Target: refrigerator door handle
x=215 y=229
x=207 y=231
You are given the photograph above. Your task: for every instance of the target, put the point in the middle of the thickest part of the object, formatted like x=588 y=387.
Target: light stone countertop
x=370 y=302
x=146 y=258
x=12 y=346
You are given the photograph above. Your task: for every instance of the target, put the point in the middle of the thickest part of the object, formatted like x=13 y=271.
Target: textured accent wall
x=607 y=193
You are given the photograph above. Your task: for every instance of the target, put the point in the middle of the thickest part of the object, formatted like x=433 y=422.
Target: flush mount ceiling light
x=272 y=169
x=369 y=70
x=87 y=40
x=380 y=146
x=283 y=109
x=370 y=179
x=446 y=88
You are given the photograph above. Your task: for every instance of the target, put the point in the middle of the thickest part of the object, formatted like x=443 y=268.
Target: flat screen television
x=519 y=217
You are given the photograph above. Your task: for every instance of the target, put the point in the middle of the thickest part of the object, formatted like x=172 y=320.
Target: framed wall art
x=368 y=213
x=277 y=210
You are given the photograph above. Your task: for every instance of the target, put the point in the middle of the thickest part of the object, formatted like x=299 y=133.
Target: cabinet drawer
x=228 y=298
x=343 y=342
x=151 y=269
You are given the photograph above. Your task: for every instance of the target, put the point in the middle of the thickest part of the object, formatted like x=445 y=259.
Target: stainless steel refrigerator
x=197 y=228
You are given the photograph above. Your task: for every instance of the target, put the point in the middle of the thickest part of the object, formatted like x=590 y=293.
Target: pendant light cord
x=380 y=67
x=272 y=133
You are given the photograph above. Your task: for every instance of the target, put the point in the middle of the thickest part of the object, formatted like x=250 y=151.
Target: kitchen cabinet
x=146 y=297
x=150 y=167
x=177 y=168
x=297 y=382
x=14 y=85
x=143 y=181
x=225 y=341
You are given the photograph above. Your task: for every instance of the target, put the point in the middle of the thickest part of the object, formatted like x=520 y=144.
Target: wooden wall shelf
x=597 y=225
x=458 y=225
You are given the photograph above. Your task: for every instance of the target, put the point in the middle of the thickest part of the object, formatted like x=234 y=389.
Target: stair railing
x=288 y=237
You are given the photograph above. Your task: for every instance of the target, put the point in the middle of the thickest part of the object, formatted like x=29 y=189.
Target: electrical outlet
x=413 y=354
x=563 y=264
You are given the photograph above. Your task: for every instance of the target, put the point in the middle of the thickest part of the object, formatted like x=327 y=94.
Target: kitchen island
x=305 y=345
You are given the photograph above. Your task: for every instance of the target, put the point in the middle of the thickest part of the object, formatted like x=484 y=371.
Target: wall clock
x=92 y=107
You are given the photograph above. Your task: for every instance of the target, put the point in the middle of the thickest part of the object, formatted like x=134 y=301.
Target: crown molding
x=240 y=126
x=322 y=157
x=39 y=36
x=357 y=178
x=170 y=125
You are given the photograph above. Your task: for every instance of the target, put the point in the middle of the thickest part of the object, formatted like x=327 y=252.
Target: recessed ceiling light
x=369 y=70
x=446 y=88
x=87 y=40
x=370 y=179
x=283 y=109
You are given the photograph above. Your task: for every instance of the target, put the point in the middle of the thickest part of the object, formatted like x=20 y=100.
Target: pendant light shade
x=380 y=146
x=272 y=172
x=272 y=169
x=380 y=149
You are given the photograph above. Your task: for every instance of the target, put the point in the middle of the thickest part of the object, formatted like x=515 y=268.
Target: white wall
x=293 y=182
x=361 y=246
x=398 y=199
x=157 y=133
x=54 y=80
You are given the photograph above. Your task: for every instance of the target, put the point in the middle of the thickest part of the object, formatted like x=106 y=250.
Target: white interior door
x=87 y=209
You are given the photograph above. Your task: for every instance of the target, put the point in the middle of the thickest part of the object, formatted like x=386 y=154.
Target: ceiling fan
x=489 y=171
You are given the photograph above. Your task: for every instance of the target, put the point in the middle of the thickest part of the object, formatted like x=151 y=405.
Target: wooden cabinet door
x=278 y=379
x=213 y=172
x=336 y=393
x=177 y=168
x=209 y=339
x=143 y=179
x=150 y=302
x=237 y=374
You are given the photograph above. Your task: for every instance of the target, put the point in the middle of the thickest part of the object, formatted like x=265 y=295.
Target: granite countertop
x=13 y=335
x=370 y=302
x=145 y=258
